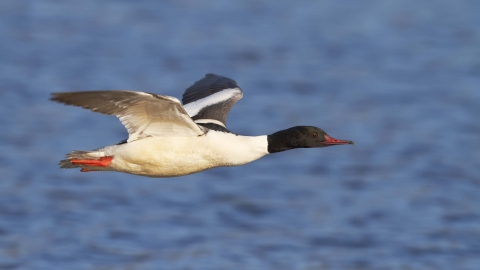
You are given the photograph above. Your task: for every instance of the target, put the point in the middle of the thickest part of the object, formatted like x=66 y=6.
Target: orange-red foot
x=85 y=170
x=101 y=162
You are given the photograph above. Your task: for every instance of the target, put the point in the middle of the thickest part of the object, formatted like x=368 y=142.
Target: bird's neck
x=282 y=140
x=233 y=149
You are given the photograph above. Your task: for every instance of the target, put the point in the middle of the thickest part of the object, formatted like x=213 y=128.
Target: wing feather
x=211 y=99
x=142 y=114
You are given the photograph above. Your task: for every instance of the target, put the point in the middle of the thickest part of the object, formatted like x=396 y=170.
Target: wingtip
x=56 y=96
x=52 y=96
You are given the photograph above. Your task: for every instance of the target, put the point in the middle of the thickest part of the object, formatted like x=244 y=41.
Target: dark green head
x=301 y=137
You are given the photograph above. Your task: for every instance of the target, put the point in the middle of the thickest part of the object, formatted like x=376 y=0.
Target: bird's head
x=301 y=137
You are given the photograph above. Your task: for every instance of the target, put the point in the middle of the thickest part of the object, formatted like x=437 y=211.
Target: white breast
x=175 y=156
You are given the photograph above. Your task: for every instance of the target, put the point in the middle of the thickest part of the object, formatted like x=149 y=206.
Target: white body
x=176 y=156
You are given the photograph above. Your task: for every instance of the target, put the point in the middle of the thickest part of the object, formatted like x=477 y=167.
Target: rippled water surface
x=400 y=78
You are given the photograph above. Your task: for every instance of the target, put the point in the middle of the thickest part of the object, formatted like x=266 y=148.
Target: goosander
x=166 y=139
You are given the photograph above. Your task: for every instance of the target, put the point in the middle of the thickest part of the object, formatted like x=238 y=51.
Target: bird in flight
x=167 y=139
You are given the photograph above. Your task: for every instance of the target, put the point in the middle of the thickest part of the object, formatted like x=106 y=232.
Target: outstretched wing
x=210 y=99
x=143 y=114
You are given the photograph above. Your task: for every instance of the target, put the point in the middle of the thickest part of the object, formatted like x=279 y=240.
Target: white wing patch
x=151 y=120
x=195 y=107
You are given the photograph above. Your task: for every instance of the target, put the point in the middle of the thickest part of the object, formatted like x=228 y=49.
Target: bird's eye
x=314 y=134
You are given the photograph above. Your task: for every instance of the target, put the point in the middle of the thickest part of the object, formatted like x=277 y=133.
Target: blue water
x=400 y=78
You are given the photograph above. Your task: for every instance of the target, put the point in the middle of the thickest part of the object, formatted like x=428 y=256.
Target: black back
x=215 y=127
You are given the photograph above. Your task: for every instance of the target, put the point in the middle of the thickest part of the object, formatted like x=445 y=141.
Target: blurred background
x=400 y=78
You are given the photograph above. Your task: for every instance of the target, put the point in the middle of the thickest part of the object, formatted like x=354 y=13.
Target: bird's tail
x=87 y=160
